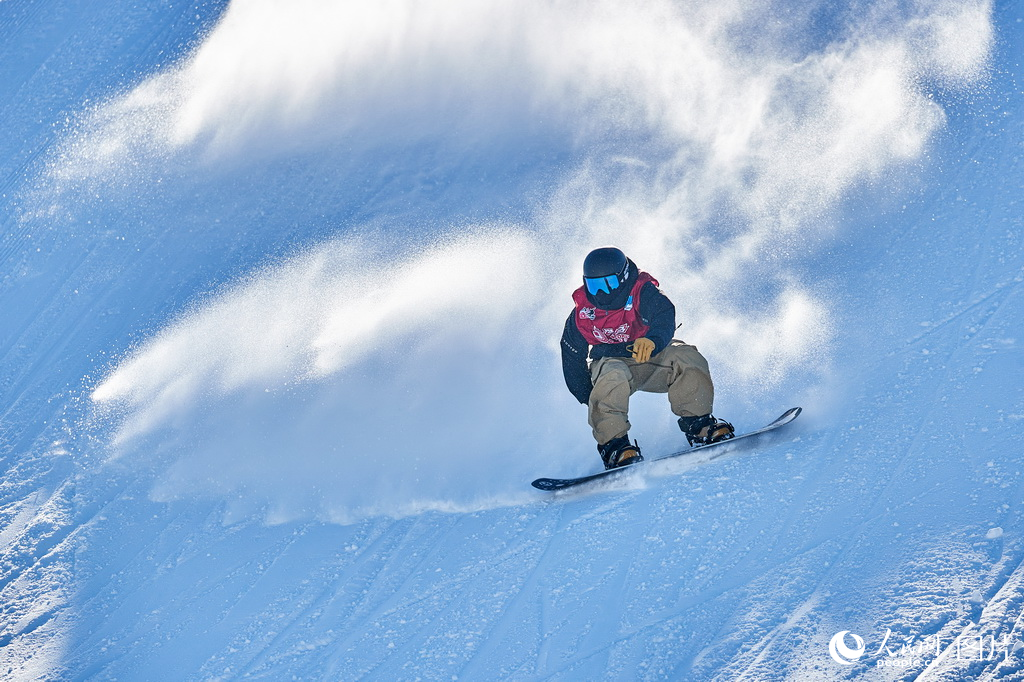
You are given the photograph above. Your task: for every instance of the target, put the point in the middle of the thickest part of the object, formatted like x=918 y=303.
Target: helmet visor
x=606 y=284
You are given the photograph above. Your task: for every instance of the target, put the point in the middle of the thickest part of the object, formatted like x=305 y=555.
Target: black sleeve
x=574 y=360
x=658 y=313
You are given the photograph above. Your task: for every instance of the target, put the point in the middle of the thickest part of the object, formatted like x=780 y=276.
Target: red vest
x=611 y=326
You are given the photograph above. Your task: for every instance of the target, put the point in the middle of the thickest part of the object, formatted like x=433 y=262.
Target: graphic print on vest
x=618 y=335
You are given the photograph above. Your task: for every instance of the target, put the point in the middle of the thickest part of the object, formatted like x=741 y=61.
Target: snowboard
x=562 y=483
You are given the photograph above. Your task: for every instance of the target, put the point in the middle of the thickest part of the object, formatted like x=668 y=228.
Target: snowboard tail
x=551 y=484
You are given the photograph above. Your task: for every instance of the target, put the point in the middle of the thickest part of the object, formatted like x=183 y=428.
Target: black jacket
x=655 y=310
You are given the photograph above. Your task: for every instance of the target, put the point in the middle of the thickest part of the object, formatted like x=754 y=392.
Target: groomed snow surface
x=282 y=287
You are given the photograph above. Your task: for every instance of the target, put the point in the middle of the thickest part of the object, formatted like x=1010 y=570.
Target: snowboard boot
x=618 y=452
x=705 y=430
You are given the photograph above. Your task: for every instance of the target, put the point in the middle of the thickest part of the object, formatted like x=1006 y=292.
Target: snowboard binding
x=706 y=430
x=619 y=452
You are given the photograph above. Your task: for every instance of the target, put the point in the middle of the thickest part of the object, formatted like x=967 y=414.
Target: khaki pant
x=679 y=370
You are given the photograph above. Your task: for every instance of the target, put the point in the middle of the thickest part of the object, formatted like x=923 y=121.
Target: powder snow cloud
x=709 y=142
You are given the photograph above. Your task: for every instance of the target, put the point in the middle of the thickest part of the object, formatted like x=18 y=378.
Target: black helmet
x=604 y=270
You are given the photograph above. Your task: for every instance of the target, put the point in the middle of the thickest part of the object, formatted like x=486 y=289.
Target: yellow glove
x=641 y=349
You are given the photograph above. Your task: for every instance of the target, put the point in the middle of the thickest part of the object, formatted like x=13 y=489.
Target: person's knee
x=685 y=356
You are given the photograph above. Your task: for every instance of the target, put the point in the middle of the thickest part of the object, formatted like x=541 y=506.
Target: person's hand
x=642 y=349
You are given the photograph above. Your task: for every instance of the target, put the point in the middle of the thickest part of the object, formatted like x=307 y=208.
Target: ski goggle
x=606 y=284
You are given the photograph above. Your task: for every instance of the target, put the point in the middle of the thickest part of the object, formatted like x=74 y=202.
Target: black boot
x=705 y=430
x=618 y=452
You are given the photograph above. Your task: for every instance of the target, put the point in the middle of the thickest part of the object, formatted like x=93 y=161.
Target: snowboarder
x=624 y=324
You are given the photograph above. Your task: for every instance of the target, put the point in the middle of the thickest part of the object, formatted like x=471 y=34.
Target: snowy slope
x=283 y=287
